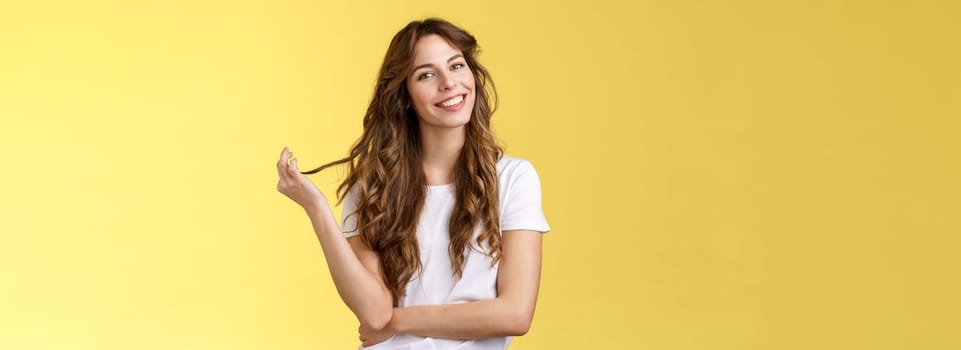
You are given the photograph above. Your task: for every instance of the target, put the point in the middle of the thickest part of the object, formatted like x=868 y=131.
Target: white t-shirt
x=520 y=209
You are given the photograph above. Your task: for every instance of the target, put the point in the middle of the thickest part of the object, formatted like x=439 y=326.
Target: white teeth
x=452 y=101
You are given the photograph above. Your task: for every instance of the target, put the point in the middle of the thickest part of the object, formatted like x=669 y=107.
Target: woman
x=422 y=266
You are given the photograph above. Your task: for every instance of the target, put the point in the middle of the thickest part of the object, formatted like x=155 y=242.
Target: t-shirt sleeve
x=522 y=201
x=348 y=223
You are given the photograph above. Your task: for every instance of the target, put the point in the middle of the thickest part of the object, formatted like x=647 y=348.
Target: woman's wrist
x=318 y=210
x=396 y=324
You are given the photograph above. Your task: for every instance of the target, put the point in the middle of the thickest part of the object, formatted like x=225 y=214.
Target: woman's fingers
x=294 y=171
x=287 y=167
x=283 y=169
x=282 y=165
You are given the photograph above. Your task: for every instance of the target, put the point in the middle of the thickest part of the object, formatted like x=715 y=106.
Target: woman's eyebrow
x=431 y=64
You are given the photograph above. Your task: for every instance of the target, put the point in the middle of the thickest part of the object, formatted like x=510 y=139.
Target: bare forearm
x=474 y=320
x=361 y=290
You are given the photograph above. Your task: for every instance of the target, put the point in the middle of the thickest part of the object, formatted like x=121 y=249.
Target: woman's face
x=441 y=85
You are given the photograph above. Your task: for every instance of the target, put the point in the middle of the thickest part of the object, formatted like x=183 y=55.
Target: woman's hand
x=370 y=336
x=295 y=185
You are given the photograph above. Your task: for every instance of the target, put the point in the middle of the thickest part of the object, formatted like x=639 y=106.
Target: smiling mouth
x=451 y=102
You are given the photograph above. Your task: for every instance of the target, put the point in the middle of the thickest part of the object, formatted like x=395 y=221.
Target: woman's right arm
x=354 y=267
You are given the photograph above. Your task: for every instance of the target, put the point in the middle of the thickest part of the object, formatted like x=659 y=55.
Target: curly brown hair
x=384 y=164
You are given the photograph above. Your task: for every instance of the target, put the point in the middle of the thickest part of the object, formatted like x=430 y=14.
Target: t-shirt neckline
x=440 y=186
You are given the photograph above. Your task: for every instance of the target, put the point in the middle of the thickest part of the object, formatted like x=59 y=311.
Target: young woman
x=443 y=231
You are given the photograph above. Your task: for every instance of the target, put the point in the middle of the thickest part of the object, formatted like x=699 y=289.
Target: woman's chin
x=446 y=122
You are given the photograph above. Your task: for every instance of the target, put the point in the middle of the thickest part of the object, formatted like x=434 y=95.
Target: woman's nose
x=447 y=83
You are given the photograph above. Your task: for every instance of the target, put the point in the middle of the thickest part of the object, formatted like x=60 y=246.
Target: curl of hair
x=385 y=165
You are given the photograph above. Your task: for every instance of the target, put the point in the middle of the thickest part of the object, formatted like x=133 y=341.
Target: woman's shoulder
x=507 y=161
x=509 y=167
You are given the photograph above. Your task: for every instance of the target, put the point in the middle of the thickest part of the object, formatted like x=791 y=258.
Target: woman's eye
x=454 y=66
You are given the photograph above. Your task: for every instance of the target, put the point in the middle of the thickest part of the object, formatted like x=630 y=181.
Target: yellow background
x=717 y=175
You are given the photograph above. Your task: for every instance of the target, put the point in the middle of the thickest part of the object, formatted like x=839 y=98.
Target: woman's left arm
x=510 y=314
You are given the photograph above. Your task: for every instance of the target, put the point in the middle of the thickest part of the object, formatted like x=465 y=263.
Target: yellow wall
x=718 y=175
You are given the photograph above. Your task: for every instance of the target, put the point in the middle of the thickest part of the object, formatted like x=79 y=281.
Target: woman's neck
x=440 y=149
